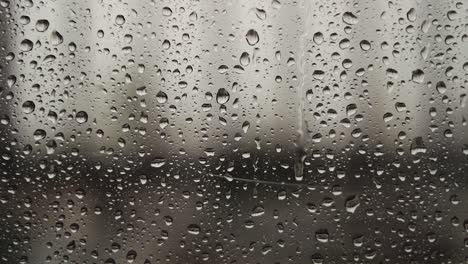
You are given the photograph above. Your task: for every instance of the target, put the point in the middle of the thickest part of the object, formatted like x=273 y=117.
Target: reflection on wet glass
x=233 y=131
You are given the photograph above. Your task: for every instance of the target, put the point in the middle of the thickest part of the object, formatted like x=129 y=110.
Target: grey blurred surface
x=233 y=131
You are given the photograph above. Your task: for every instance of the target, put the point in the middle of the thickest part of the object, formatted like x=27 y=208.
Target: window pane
x=235 y=131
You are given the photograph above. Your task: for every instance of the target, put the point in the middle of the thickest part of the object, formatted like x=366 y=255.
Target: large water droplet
x=252 y=37
x=350 y=19
x=161 y=97
x=56 y=38
x=26 y=45
x=222 y=96
x=411 y=15
x=81 y=117
x=28 y=107
x=417 y=76
x=42 y=25
x=120 y=20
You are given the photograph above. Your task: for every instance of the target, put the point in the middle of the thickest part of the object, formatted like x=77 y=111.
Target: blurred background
x=233 y=131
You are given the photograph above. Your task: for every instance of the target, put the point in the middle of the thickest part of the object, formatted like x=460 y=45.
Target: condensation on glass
x=234 y=131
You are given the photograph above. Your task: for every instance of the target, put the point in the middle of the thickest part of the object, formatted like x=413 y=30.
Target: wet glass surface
x=238 y=131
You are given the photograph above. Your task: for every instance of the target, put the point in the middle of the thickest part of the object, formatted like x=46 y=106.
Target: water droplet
x=411 y=15
x=26 y=45
x=42 y=25
x=222 y=96
x=261 y=13
x=441 y=87
x=365 y=45
x=161 y=97
x=318 y=74
x=141 y=91
x=244 y=59
x=276 y=4
x=56 y=38
x=158 y=162
x=223 y=69
x=322 y=235
x=257 y=211
x=28 y=107
x=81 y=117
x=252 y=37
x=417 y=146
x=245 y=126
x=318 y=38
x=352 y=204
x=39 y=134
x=131 y=256
x=400 y=107
x=24 y=20
x=166 y=11
x=166 y=44
x=350 y=19
x=120 y=20
x=193 y=229
x=418 y=76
